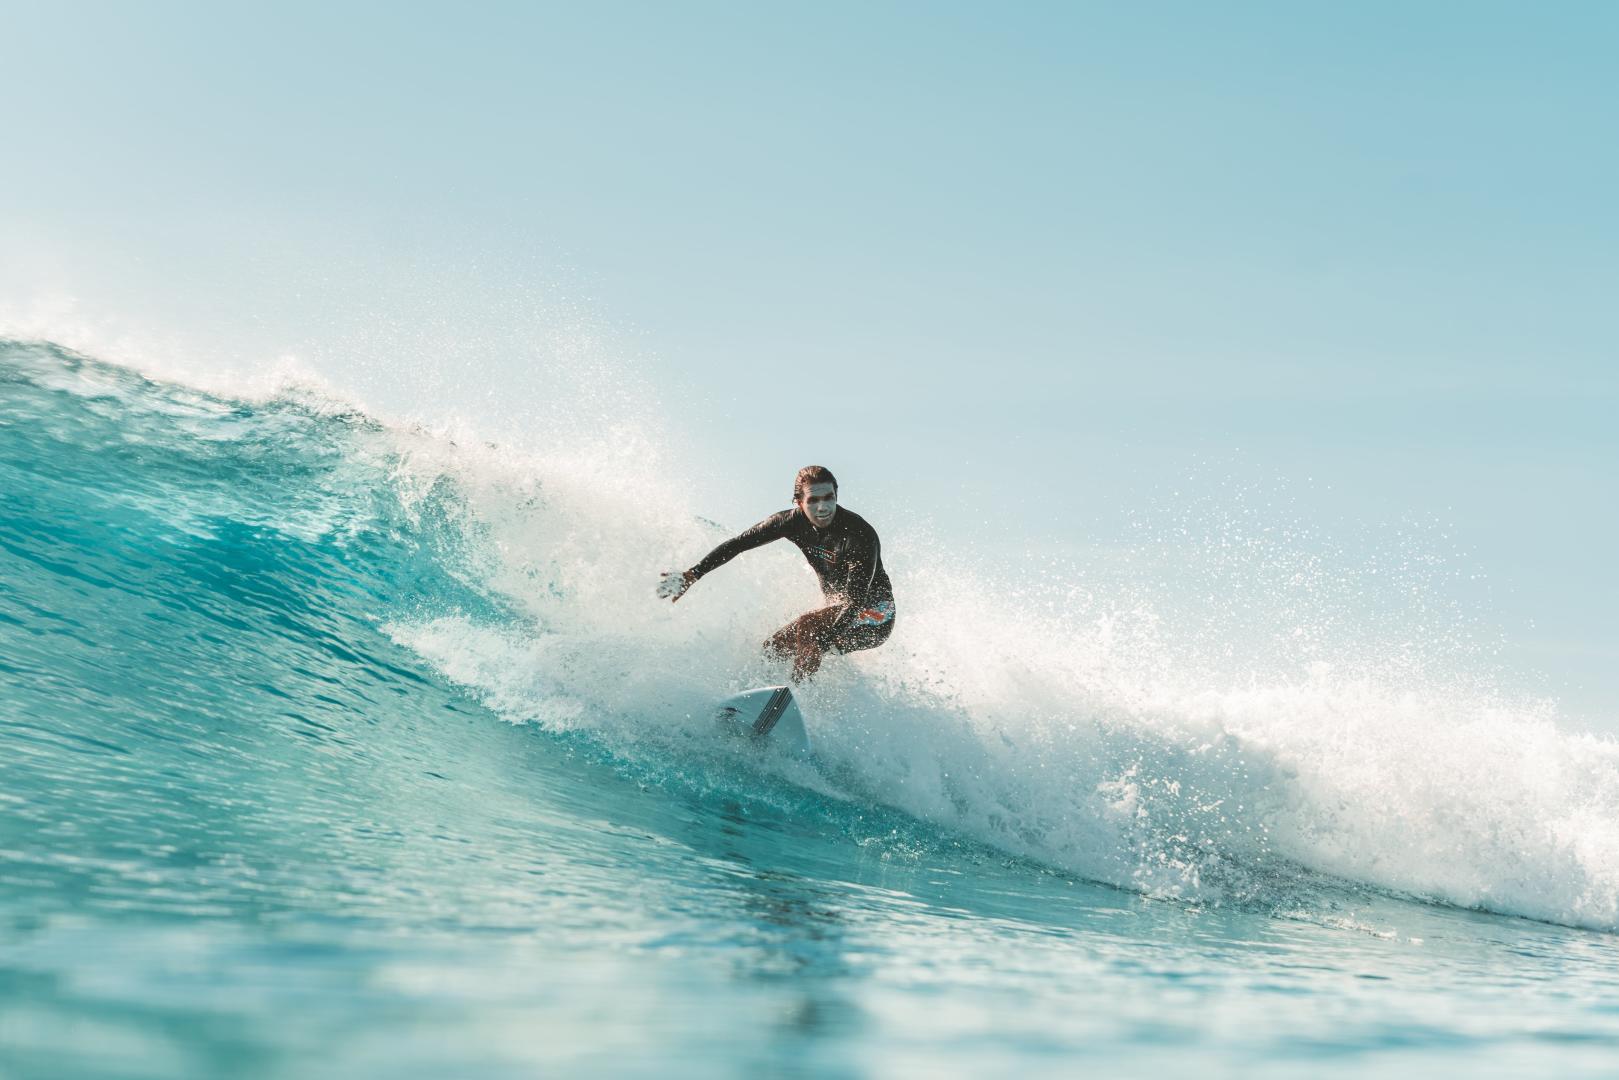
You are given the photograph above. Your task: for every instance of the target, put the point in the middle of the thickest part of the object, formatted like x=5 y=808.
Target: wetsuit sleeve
x=771 y=528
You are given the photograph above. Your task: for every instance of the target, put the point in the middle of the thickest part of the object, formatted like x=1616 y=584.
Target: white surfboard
x=766 y=713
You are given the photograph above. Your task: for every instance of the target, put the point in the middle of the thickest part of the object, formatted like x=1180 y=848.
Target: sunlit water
x=331 y=748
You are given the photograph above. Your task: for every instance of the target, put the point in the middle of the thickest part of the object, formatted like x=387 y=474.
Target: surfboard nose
x=768 y=712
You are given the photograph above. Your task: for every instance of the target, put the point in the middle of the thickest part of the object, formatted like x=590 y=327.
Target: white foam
x=1070 y=727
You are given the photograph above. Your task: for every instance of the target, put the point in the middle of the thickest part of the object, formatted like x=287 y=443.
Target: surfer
x=846 y=556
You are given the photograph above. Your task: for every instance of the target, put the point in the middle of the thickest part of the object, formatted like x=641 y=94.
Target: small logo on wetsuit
x=826 y=555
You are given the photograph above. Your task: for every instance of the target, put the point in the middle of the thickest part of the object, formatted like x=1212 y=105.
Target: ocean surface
x=331 y=746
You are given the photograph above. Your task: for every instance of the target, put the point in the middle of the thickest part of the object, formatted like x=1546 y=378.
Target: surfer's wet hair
x=809 y=475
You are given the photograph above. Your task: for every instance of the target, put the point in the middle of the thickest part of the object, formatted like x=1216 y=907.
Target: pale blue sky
x=1047 y=261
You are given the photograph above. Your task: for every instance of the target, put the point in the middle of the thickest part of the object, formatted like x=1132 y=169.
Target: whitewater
x=333 y=744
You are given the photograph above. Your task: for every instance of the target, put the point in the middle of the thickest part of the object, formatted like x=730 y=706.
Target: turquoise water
x=333 y=747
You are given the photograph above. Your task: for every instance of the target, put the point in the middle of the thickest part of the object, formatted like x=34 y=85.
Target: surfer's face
x=819 y=502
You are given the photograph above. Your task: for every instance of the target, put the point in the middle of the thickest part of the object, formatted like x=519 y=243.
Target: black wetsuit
x=847 y=558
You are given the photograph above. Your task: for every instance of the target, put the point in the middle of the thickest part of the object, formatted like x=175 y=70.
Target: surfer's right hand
x=674 y=585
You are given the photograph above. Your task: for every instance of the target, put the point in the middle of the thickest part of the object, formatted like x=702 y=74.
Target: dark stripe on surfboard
x=773 y=710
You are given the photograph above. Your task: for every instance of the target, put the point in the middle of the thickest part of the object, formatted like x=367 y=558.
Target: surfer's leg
x=804 y=640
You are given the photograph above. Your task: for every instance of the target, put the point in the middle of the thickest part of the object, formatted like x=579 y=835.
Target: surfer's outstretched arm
x=674 y=586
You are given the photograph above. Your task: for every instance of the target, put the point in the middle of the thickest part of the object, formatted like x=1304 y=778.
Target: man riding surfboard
x=846 y=556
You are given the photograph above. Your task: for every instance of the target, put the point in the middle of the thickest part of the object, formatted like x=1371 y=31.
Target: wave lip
x=1070 y=732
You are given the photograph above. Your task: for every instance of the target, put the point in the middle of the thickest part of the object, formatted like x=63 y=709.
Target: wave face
x=227 y=624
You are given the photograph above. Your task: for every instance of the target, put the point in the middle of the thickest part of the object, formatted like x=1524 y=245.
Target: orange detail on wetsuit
x=876 y=615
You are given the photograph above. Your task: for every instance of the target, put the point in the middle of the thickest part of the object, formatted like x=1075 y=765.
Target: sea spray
x=1091 y=729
